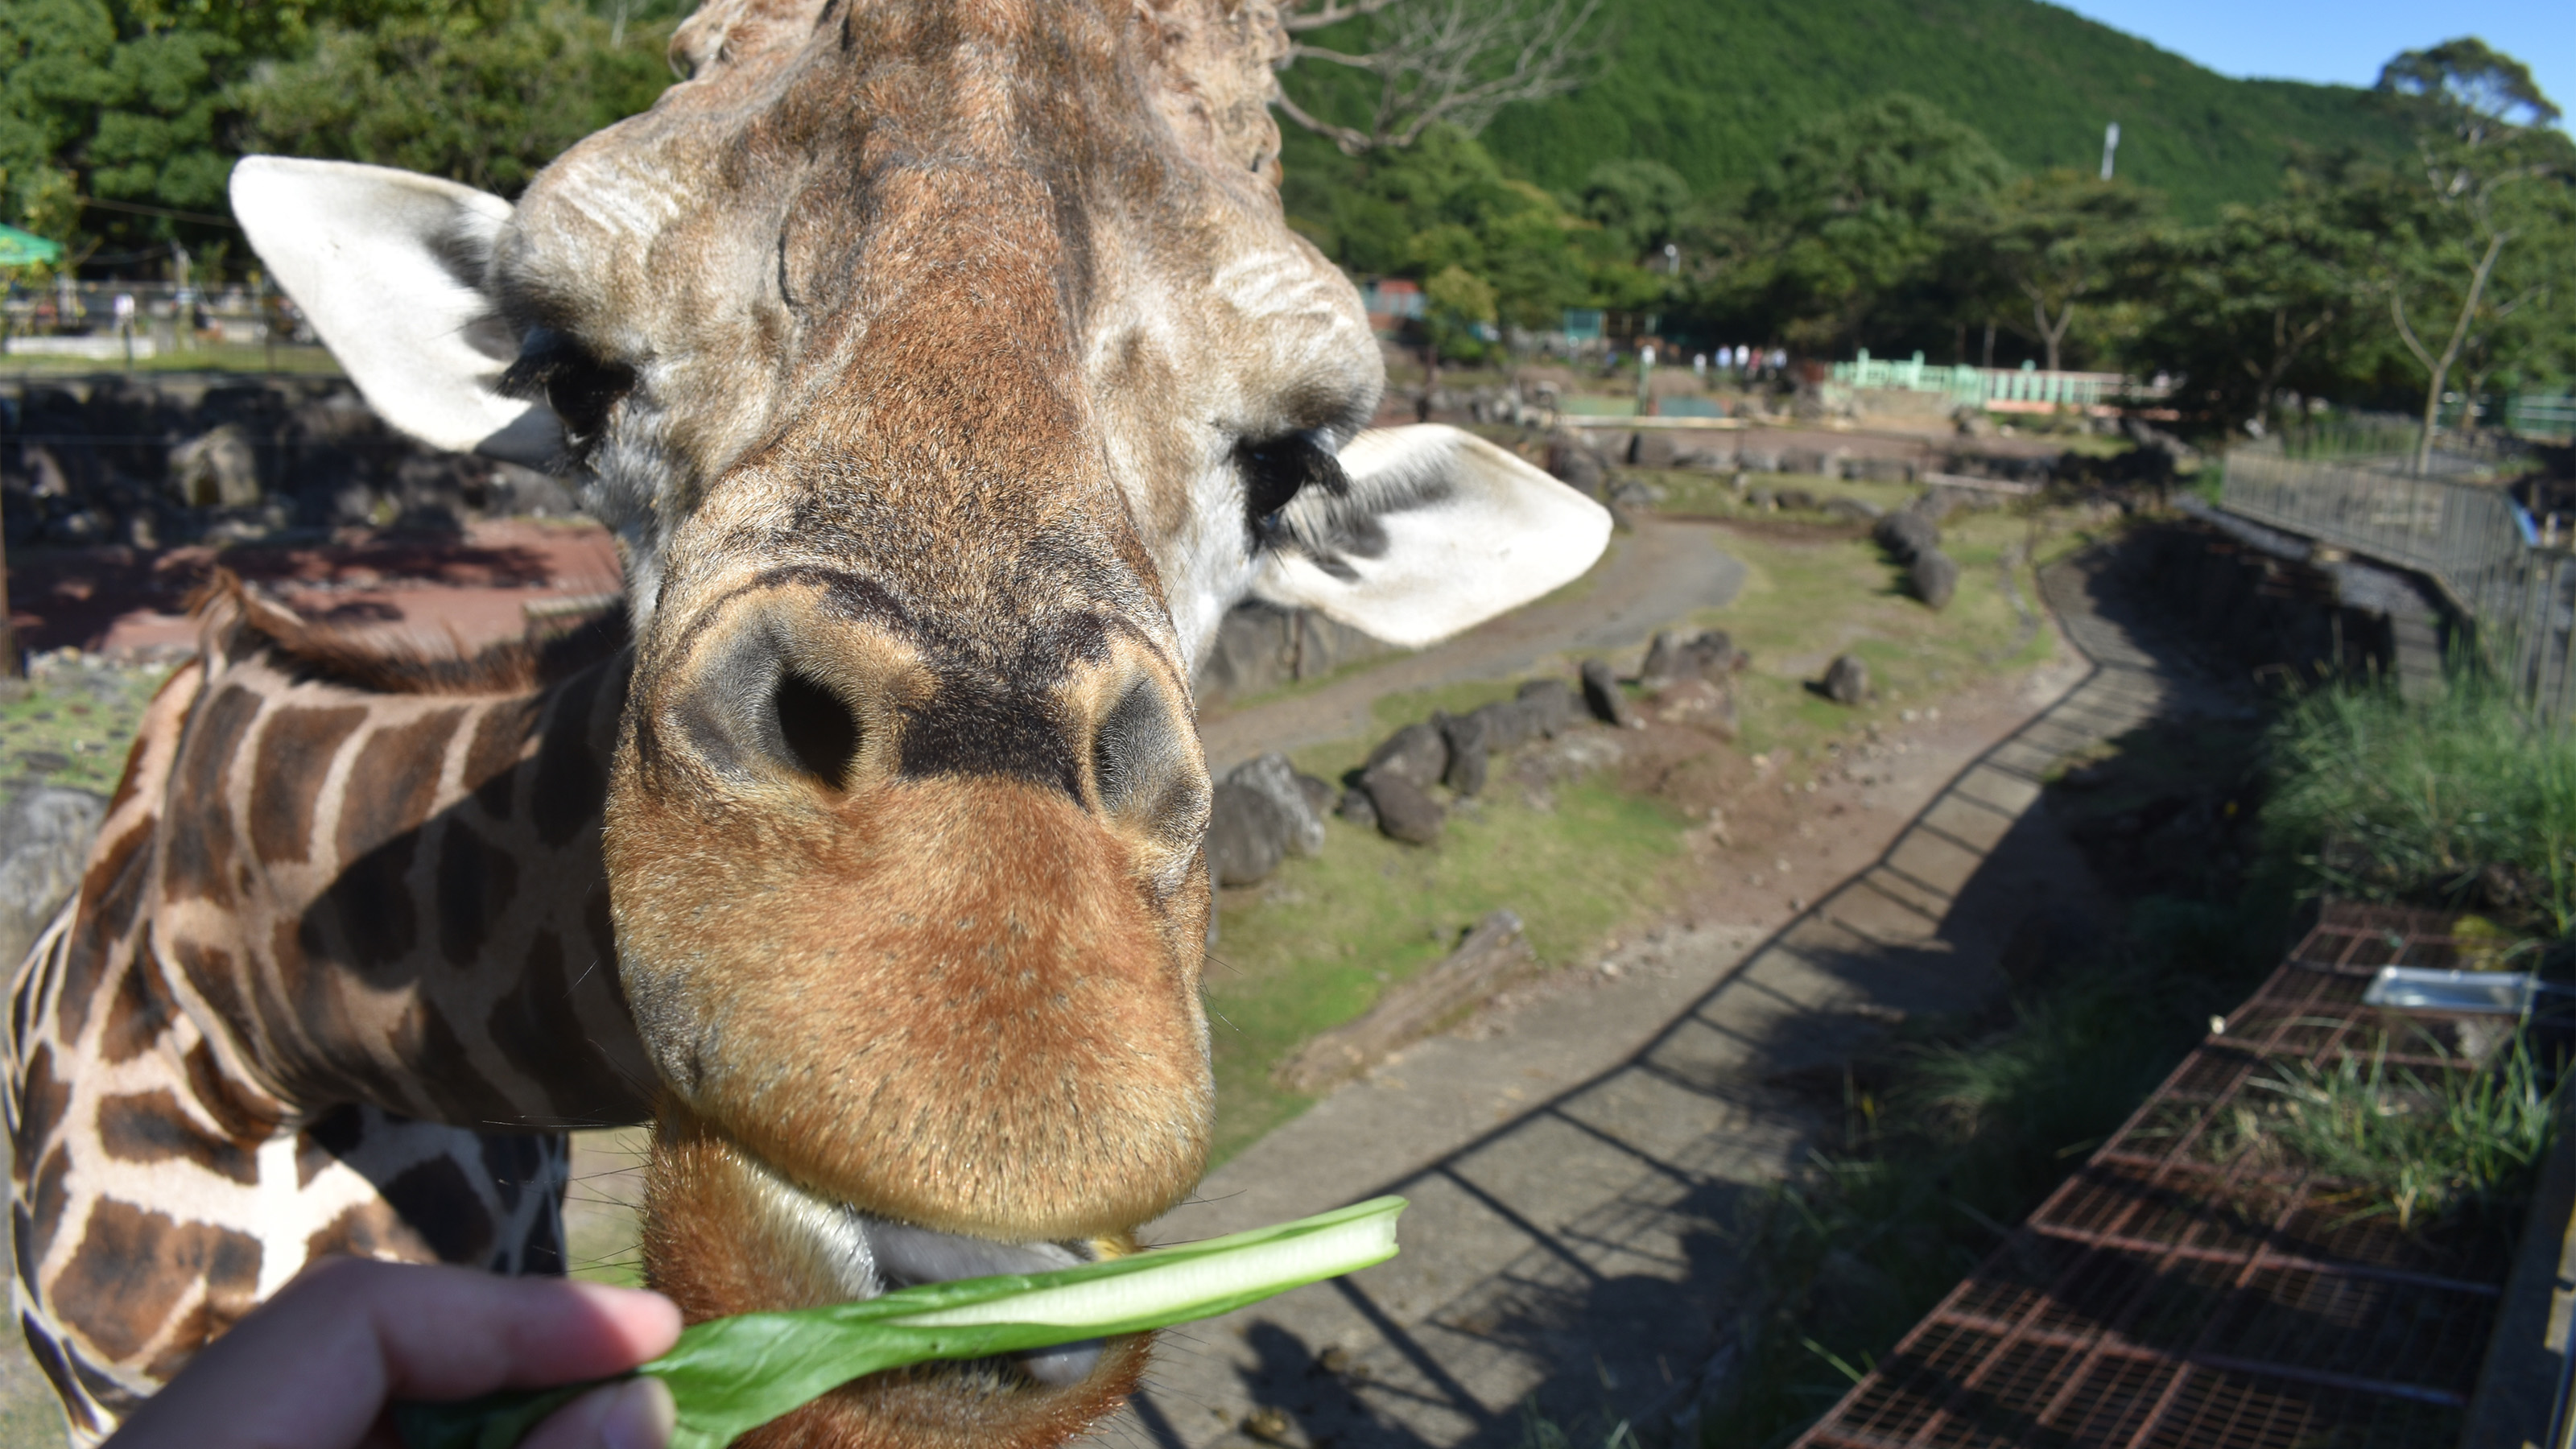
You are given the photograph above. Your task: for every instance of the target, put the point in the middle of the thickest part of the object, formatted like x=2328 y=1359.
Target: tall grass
x=2452 y=801
x=2426 y=1150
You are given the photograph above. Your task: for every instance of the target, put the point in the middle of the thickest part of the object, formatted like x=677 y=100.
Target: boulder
x=217 y=469
x=1468 y=744
x=1798 y=499
x=1709 y=655
x=1357 y=808
x=1404 y=810
x=1651 y=449
x=1855 y=510
x=1846 y=679
x=1271 y=776
x=1906 y=533
x=45 y=836
x=1572 y=461
x=1416 y=752
x=1247 y=836
x=1509 y=724
x=1935 y=577
x=1601 y=694
x=1319 y=794
x=1550 y=703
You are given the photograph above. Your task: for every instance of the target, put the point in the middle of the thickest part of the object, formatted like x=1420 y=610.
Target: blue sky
x=2346 y=41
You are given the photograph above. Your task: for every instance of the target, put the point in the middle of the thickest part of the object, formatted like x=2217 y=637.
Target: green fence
x=2027 y=385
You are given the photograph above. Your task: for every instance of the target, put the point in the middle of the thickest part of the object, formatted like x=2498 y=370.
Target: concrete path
x=1575 y=1176
x=1655 y=576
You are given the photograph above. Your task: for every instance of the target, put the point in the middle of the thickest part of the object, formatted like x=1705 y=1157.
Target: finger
x=317 y=1364
x=636 y=1414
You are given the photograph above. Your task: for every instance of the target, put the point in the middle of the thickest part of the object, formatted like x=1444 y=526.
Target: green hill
x=1712 y=88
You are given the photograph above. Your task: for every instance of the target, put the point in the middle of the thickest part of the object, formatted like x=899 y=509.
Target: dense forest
x=1714 y=90
x=1900 y=175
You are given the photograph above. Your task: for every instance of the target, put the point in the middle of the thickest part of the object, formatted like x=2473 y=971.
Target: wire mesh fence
x=2475 y=542
x=2188 y=1289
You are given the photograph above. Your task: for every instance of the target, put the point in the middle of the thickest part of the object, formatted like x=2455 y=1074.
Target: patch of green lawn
x=1316 y=944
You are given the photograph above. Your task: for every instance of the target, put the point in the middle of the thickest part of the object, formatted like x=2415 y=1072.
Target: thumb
x=635 y=1414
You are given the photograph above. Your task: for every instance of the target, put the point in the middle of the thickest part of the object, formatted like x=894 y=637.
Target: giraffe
x=944 y=369
x=290 y=802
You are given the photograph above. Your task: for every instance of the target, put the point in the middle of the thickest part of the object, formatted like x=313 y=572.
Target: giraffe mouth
x=865 y=1255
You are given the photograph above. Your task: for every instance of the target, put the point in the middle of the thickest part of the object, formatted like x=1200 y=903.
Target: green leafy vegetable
x=731 y=1375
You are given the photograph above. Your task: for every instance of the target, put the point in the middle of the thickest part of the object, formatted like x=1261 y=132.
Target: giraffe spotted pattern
x=223 y=1049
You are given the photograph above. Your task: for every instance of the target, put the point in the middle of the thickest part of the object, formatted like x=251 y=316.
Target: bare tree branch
x=1452 y=61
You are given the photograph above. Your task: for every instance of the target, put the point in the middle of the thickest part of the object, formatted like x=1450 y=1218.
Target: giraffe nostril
x=821 y=732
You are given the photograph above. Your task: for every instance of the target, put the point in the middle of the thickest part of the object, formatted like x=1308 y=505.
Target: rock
x=1417 y=753
x=1847 y=679
x=1887 y=470
x=217 y=469
x=1935 y=577
x=45 y=836
x=1465 y=734
x=1358 y=808
x=1601 y=693
x=1710 y=655
x=1939 y=503
x=1319 y=793
x=1906 y=533
x=1509 y=724
x=1629 y=493
x=1651 y=449
x=1762 y=498
x=1574 y=462
x=1798 y=499
x=1404 y=810
x=1857 y=510
x=1247 y=836
x=1972 y=422
x=1551 y=706
x=1273 y=778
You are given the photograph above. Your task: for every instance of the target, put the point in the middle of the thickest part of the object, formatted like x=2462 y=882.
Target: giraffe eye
x=557 y=370
x=1275 y=470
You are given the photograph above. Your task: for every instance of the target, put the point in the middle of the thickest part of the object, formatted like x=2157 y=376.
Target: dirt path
x=1575 y=1164
x=1654 y=577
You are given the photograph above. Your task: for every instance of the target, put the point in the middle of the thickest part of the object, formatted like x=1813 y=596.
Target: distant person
x=316 y=1366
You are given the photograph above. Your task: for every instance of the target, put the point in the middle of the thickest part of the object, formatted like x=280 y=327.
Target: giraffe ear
x=1437 y=531
x=389 y=268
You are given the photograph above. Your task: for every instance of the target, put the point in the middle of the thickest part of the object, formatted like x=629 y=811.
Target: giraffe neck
x=394 y=899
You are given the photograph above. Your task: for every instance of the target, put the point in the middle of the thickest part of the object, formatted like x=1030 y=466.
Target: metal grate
x=2185 y=1293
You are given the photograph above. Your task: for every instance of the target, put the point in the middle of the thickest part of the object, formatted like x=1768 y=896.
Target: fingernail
x=641 y=1416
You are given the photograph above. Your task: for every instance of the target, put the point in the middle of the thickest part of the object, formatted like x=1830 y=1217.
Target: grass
x=2466 y=1141
x=2451 y=801
x=75 y=723
x=1316 y=944
x=1954 y=1136
x=248 y=357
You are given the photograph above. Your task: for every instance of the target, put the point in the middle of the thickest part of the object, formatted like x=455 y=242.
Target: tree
x=1849 y=218
x=2052 y=241
x=484 y=92
x=2266 y=295
x=1457 y=303
x=2489 y=175
x=1640 y=202
x=1432 y=63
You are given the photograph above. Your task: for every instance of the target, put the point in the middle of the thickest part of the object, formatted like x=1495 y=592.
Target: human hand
x=316 y=1366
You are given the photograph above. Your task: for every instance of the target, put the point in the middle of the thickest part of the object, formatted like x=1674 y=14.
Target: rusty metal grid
x=2179 y=1293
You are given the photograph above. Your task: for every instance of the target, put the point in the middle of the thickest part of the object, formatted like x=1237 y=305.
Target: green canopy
x=25 y=249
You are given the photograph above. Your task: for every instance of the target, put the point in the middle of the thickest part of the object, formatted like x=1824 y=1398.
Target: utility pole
x=2110 y=147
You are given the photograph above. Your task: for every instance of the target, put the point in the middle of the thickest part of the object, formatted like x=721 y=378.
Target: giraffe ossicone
x=945 y=369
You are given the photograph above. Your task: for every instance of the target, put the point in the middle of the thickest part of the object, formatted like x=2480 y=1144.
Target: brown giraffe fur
x=945 y=369
x=264 y=982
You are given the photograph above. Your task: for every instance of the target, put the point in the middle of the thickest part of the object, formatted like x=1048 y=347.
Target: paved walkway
x=1575 y=1178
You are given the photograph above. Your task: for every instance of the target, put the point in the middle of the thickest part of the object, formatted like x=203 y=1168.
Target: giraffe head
x=946 y=370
